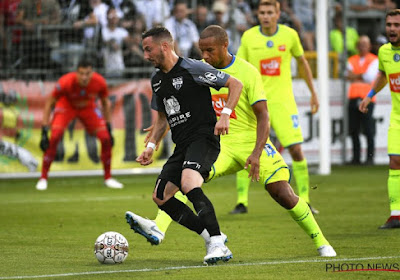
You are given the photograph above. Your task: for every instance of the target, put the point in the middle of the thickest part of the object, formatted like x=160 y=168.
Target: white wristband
x=151 y=145
x=227 y=111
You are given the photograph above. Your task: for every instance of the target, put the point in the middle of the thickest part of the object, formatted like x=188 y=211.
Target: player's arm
x=378 y=85
x=261 y=112
x=106 y=106
x=158 y=131
x=303 y=63
x=44 y=139
x=235 y=88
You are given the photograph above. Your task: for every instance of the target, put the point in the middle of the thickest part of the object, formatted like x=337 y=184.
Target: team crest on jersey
x=177 y=82
x=82 y=93
x=172 y=106
x=396 y=57
x=270 y=44
x=269 y=150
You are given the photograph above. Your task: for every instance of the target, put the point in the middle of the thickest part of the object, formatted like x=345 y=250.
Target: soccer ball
x=111 y=247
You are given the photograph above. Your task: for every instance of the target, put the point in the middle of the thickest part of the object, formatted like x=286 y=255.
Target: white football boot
x=207 y=239
x=326 y=251
x=217 y=251
x=41 y=185
x=145 y=227
x=113 y=184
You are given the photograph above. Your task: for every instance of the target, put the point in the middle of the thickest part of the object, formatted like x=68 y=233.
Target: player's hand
x=44 y=140
x=222 y=125
x=254 y=162
x=314 y=104
x=109 y=128
x=364 y=105
x=146 y=157
x=148 y=136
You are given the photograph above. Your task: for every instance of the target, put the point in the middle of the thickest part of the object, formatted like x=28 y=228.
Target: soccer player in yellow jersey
x=389 y=71
x=270 y=47
x=246 y=146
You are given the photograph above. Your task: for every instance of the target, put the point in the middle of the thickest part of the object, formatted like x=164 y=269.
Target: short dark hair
x=84 y=62
x=393 y=12
x=215 y=31
x=158 y=33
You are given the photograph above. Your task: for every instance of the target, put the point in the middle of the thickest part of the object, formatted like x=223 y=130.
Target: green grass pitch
x=50 y=234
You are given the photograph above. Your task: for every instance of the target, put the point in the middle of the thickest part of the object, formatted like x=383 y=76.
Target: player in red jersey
x=74 y=96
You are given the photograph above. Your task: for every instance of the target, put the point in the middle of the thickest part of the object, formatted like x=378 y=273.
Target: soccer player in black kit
x=181 y=95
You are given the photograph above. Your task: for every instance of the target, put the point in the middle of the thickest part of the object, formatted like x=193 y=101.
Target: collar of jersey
x=232 y=61
x=394 y=47
x=277 y=29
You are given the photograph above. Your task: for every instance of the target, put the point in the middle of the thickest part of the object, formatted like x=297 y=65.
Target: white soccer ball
x=111 y=247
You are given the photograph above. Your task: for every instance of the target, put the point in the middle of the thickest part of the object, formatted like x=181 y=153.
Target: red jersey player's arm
x=50 y=102
x=105 y=103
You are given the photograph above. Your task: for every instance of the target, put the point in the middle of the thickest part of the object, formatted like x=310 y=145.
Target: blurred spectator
x=245 y=8
x=201 y=17
x=288 y=17
x=233 y=21
x=381 y=5
x=113 y=38
x=126 y=10
x=184 y=31
x=34 y=14
x=97 y=18
x=71 y=39
x=377 y=43
x=336 y=37
x=362 y=69
x=154 y=11
x=304 y=11
x=8 y=12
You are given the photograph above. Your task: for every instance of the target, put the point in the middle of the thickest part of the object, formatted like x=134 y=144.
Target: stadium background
x=25 y=83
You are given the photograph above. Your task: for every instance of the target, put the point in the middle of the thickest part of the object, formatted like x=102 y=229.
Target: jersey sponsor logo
x=282 y=48
x=271 y=66
x=196 y=164
x=218 y=102
x=295 y=121
x=210 y=76
x=394 y=81
x=172 y=106
x=177 y=82
x=269 y=150
x=396 y=57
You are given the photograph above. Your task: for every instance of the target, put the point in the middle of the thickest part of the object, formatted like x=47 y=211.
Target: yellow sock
x=242 y=187
x=163 y=220
x=301 y=213
x=394 y=189
x=300 y=173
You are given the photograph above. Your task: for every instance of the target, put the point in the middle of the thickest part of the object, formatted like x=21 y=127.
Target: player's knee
x=282 y=193
x=394 y=162
x=159 y=193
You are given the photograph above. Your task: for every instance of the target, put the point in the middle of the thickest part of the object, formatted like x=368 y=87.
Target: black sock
x=205 y=210
x=182 y=214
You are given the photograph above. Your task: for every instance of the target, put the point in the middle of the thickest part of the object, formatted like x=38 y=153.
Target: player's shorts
x=284 y=119
x=233 y=157
x=91 y=118
x=198 y=155
x=393 y=141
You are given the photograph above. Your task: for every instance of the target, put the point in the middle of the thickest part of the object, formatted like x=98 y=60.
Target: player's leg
x=242 y=187
x=299 y=210
x=95 y=124
x=199 y=158
x=354 y=129
x=369 y=127
x=393 y=179
x=60 y=121
x=163 y=220
x=300 y=173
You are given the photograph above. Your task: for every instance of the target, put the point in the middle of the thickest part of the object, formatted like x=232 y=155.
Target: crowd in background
x=53 y=34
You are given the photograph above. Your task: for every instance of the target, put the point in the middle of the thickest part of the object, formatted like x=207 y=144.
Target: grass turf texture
x=52 y=233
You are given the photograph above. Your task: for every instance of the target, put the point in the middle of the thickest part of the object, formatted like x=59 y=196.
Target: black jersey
x=183 y=94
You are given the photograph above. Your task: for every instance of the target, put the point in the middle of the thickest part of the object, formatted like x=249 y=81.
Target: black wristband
x=45 y=129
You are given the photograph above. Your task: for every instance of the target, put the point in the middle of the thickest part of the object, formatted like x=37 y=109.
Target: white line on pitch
x=197 y=266
x=66 y=200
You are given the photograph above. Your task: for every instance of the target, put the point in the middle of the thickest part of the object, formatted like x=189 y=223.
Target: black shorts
x=199 y=155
